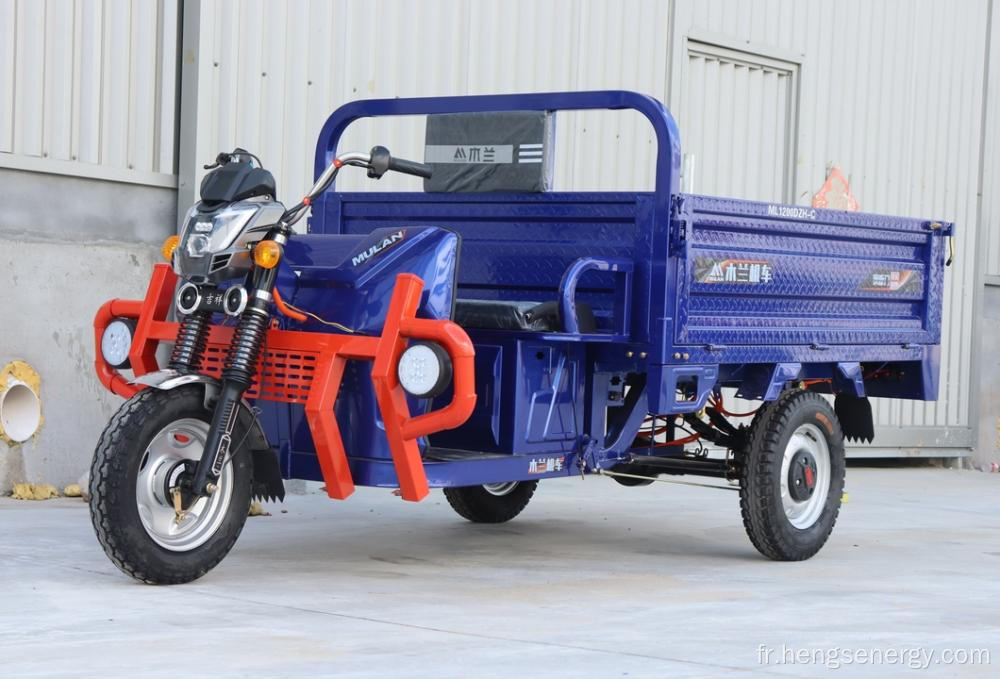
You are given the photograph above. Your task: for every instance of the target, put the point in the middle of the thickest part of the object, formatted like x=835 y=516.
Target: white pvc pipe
x=20 y=411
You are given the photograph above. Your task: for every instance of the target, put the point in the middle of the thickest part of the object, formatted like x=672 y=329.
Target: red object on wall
x=306 y=368
x=835 y=193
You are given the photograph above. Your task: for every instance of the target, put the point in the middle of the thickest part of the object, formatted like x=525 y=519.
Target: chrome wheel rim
x=807 y=449
x=161 y=463
x=500 y=489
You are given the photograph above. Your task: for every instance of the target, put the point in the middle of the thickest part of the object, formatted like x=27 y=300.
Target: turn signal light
x=169 y=246
x=266 y=254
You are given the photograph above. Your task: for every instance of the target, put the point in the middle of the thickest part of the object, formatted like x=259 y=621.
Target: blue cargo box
x=693 y=293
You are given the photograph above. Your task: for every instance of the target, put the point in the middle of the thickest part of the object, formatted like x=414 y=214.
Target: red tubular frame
x=331 y=352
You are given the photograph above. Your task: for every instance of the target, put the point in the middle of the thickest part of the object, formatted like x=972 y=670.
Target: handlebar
x=381 y=161
x=378 y=161
x=411 y=167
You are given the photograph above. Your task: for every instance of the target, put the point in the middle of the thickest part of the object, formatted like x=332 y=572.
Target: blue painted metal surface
x=622 y=312
x=519 y=246
x=824 y=277
x=349 y=279
x=691 y=293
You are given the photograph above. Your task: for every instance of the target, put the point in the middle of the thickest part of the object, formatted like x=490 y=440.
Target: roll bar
x=668 y=155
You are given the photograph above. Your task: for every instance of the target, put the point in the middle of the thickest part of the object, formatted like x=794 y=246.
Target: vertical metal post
x=687 y=173
x=979 y=263
x=187 y=119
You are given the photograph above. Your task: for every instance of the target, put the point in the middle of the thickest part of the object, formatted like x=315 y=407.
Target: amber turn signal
x=169 y=246
x=266 y=254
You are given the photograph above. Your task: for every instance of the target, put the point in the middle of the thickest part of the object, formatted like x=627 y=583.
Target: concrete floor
x=592 y=580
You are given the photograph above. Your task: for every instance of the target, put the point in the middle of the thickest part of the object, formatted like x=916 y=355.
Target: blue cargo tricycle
x=482 y=341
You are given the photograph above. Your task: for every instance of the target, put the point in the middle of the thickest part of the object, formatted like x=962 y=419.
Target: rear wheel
x=155 y=437
x=792 y=476
x=492 y=502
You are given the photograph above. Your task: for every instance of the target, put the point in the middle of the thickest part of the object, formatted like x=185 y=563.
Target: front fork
x=237 y=376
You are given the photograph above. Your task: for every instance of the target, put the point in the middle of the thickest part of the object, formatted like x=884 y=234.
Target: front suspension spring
x=192 y=339
x=241 y=362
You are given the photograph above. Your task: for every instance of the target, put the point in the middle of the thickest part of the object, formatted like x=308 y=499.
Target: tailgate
x=756 y=273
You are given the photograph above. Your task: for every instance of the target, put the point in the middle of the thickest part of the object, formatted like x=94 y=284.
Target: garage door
x=738 y=123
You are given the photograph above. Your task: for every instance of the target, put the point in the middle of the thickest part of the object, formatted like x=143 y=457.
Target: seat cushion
x=530 y=316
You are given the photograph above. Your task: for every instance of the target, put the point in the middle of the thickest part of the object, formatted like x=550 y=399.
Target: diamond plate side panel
x=518 y=246
x=765 y=274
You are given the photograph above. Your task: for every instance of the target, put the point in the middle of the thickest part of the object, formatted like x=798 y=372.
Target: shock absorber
x=237 y=375
x=238 y=371
x=192 y=339
x=241 y=362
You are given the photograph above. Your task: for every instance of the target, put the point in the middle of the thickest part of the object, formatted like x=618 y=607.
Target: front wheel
x=154 y=438
x=792 y=476
x=492 y=502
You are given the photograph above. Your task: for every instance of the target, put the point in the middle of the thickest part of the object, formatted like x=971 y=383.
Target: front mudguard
x=267 y=481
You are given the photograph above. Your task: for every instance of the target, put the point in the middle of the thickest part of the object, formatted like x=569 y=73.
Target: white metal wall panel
x=438 y=47
x=8 y=50
x=621 y=45
x=88 y=87
x=58 y=78
x=88 y=67
x=27 y=91
x=991 y=159
x=902 y=120
x=739 y=113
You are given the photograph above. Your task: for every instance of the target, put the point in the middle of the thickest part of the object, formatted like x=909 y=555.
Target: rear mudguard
x=267 y=481
x=855 y=415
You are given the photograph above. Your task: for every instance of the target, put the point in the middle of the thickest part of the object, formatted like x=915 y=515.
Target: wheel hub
x=500 y=489
x=805 y=476
x=179 y=475
x=802 y=476
x=171 y=457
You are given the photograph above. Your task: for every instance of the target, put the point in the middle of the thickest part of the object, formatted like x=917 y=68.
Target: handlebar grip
x=410 y=167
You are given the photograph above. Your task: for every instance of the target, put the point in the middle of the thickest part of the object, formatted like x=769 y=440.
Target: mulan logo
x=379 y=247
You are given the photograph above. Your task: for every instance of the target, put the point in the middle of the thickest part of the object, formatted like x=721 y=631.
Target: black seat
x=530 y=316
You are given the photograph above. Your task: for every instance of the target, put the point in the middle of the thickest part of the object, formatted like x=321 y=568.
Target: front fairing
x=349 y=279
x=216 y=242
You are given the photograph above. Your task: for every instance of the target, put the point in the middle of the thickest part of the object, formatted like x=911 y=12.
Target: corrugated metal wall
x=991 y=164
x=740 y=113
x=902 y=120
x=892 y=92
x=291 y=64
x=856 y=84
x=88 y=87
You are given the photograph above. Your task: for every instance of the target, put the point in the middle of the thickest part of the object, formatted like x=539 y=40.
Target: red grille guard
x=307 y=367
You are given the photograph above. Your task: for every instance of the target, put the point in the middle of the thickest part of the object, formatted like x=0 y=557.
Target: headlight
x=116 y=342
x=424 y=370
x=214 y=245
x=198 y=245
x=208 y=234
